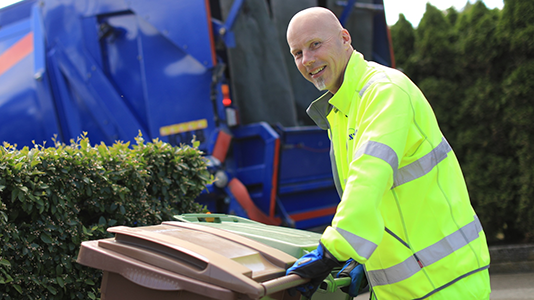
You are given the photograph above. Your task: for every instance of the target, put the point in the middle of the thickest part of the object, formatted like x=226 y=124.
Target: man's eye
x=297 y=54
x=316 y=44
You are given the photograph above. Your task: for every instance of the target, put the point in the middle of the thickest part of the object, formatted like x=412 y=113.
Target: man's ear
x=345 y=35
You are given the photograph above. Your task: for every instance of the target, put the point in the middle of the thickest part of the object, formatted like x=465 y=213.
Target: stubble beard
x=320 y=84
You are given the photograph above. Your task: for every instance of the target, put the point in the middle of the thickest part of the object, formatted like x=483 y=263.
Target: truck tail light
x=227 y=101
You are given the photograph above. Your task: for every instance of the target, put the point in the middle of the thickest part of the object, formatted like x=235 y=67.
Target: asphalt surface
x=512 y=286
x=519 y=286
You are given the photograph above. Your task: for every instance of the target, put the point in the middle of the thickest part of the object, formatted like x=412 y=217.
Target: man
x=405 y=213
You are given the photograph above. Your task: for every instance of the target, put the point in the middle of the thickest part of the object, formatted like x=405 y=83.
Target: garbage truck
x=215 y=71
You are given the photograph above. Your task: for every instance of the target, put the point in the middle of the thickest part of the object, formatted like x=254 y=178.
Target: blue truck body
x=117 y=68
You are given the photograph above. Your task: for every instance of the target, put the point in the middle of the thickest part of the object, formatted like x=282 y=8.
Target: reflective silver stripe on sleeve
x=362 y=246
x=381 y=151
x=423 y=165
x=373 y=79
x=427 y=256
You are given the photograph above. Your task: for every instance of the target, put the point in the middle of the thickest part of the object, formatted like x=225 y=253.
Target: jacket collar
x=342 y=100
x=319 y=109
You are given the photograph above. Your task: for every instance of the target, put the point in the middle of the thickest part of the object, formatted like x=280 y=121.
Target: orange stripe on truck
x=313 y=214
x=16 y=53
x=274 y=183
x=240 y=192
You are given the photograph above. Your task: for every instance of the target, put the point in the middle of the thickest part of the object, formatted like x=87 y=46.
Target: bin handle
x=331 y=284
x=283 y=283
x=293 y=280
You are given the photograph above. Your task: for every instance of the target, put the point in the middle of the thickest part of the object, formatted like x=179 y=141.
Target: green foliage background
x=476 y=68
x=52 y=199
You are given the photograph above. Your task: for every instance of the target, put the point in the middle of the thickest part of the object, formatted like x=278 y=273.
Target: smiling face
x=320 y=46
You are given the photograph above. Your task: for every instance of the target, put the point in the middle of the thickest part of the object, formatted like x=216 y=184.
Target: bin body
x=115 y=286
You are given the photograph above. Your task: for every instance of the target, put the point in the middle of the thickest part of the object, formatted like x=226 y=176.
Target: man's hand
x=315 y=265
x=358 y=281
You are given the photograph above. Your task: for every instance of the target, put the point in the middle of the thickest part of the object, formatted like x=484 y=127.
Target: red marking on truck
x=313 y=214
x=222 y=144
x=16 y=53
x=210 y=30
x=391 y=54
x=274 y=183
x=238 y=189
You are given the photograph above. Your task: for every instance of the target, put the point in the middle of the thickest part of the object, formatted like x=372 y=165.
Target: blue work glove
x=315 y=265
x=358 y=281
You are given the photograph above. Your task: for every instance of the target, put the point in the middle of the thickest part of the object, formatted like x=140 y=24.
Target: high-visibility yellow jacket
x=405 y=211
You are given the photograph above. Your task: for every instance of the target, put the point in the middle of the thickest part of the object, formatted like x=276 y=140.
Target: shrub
x=52 y=199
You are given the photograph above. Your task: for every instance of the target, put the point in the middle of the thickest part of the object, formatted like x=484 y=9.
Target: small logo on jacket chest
x=352 y=134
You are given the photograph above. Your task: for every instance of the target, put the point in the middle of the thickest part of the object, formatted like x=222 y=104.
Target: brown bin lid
x=192 y=257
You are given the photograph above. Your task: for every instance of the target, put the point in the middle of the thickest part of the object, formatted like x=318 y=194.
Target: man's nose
x=307 y=59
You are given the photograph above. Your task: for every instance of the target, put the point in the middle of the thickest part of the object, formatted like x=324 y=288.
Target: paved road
x=512 y=286
x=503 y=287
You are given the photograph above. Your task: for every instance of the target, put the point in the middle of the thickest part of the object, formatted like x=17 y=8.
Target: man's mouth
x=317 y=71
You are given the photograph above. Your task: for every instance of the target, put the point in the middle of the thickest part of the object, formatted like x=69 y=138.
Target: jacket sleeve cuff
x=334 y=243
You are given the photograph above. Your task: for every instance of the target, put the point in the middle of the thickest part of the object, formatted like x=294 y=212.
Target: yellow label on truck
x=183 y=127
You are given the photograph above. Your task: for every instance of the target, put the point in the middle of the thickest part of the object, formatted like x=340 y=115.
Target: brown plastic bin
x=178 y=260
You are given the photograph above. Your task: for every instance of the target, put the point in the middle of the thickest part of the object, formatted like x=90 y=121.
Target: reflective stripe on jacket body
x=405 y=211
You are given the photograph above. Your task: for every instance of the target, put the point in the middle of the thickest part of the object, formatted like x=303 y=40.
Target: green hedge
x=53 y=198
x=476 y=68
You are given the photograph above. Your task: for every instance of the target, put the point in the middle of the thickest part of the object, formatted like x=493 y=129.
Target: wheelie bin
x=177 y=260
x=295 y=242
x=184 y=260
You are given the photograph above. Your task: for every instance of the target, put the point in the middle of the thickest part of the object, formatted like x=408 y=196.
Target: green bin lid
x=295 y=242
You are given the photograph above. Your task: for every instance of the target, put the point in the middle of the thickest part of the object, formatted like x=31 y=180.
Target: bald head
x=313 y=17
x=321 y=47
